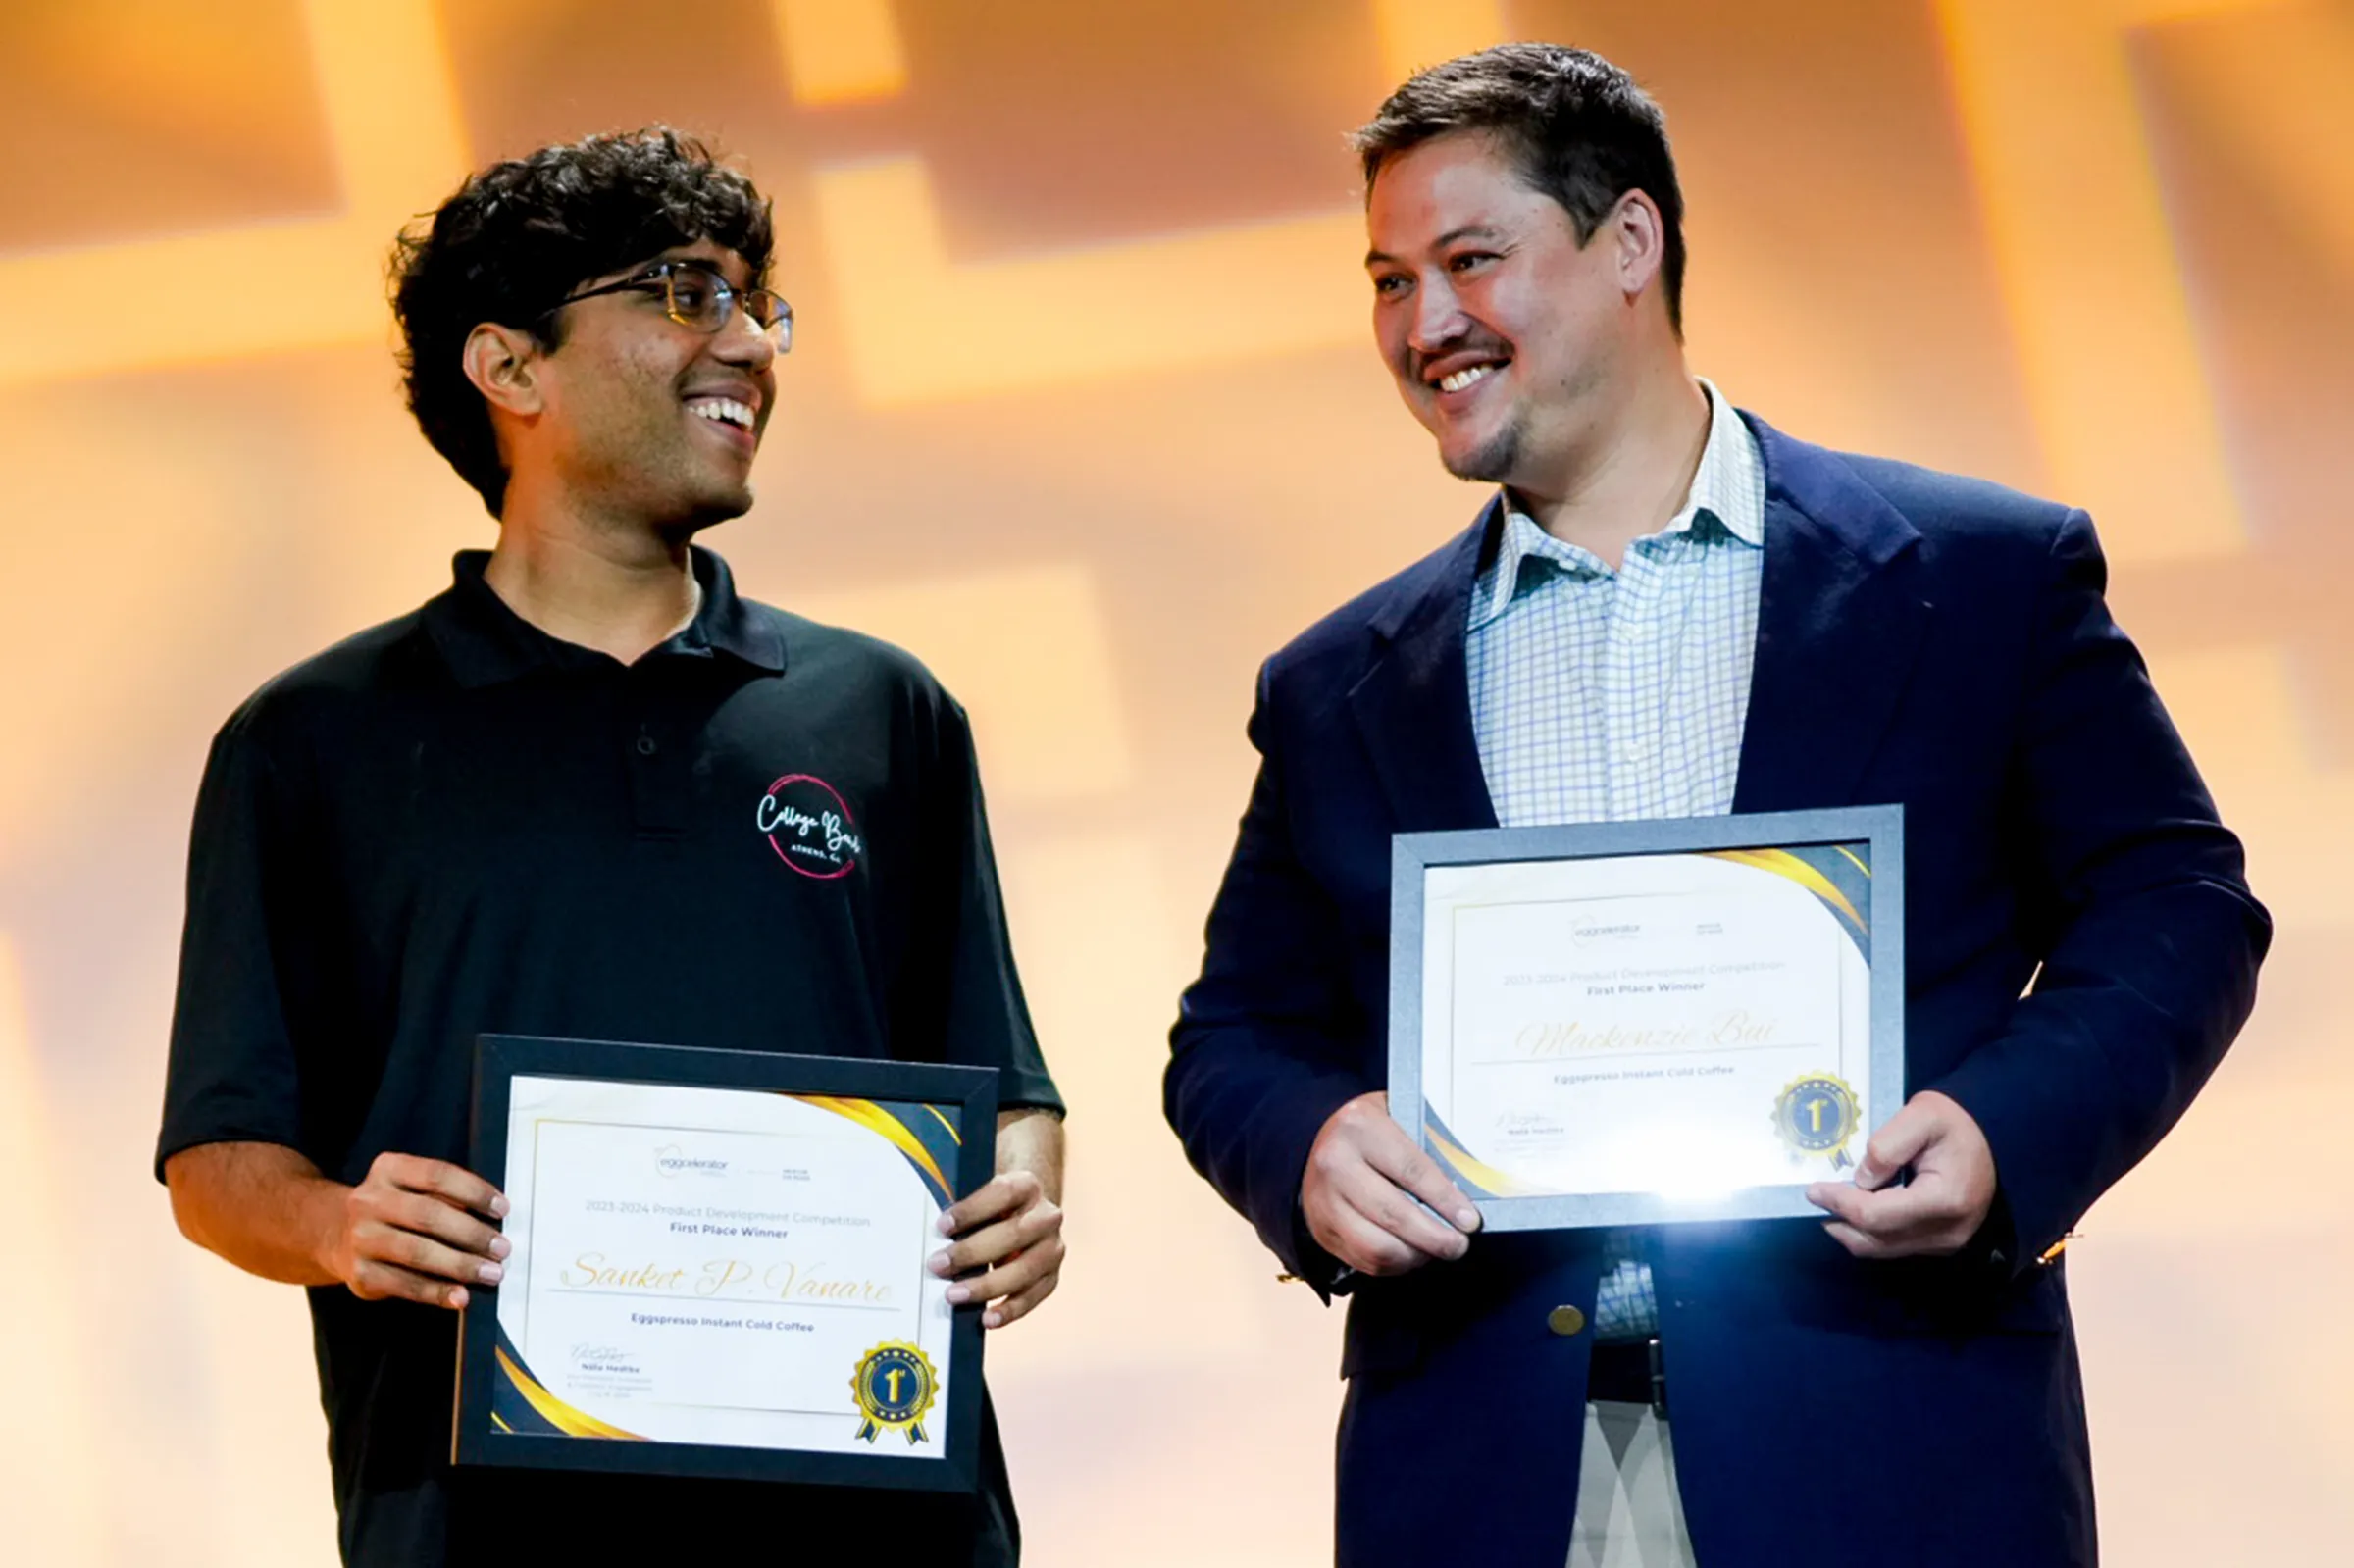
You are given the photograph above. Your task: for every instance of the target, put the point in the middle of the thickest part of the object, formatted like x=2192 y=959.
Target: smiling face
x=1506 y=336
x=642 y=420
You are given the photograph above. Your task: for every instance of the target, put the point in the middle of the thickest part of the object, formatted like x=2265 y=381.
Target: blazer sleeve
x=1268 y=1044
x=2150 y=938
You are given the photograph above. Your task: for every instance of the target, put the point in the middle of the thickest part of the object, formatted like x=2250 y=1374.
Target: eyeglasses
x=694 y=296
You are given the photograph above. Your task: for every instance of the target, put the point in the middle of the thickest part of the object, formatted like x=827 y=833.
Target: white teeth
x=726 y=410
x=1463 y=377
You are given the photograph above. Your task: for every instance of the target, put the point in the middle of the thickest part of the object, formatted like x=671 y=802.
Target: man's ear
x=1639 y=236
x=503 y=364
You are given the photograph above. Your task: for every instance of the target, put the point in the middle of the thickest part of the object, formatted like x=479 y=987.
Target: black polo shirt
x=765 y=834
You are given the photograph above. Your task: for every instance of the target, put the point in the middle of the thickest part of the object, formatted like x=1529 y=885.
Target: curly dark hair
x=1579 y=129
x=521 y=234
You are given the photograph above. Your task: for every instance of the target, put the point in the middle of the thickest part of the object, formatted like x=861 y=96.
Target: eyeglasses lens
x=706 y=303
x=697 y=298
x=773 y=316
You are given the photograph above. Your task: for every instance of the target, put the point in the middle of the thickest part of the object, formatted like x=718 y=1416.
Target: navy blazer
x=2080 y=948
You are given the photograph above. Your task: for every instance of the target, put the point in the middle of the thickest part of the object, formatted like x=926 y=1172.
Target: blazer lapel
x=1413 y=706
x=1840 y=619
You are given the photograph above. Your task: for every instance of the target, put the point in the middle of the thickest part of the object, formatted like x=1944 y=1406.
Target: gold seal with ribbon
x=894 y=1386
x=1816 y=1115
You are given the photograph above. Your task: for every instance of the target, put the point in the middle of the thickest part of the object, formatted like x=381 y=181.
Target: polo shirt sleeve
x=986 y=1020
x=232 y=1075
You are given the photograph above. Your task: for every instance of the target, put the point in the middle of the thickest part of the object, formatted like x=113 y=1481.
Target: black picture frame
x=972 y=1092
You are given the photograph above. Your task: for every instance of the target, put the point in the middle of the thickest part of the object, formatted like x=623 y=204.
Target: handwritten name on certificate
x=722 y=1266
x=1663 y=1022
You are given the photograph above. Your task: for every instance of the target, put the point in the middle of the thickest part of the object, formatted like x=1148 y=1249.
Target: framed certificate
x=719 y=1265
x=1636 y=1023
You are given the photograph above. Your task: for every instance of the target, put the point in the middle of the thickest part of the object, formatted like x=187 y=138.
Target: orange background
x=1085 y=412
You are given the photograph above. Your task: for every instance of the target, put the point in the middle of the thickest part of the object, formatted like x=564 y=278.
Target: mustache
x=1418 y=363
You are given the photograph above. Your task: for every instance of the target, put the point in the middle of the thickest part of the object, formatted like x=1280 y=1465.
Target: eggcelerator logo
x=808 y=825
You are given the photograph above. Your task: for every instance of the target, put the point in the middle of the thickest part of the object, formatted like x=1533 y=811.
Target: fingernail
x=456 y=1297
x=945 y=1225
x=499 y=1207
x=958 y=1296
x=500 y=1246
x=1466 y=1218
x=938 y=1263
x=991 y=1320
x=490 y=1273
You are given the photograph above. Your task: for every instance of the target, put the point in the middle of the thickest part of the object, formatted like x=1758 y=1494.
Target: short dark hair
x=1579 y=128
x=520 y=235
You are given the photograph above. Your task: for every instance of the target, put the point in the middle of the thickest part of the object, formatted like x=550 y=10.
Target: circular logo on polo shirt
x=808 y=825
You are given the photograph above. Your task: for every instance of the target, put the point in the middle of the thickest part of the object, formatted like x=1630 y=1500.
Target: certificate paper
x=1640 y=1022
x=724 y=1278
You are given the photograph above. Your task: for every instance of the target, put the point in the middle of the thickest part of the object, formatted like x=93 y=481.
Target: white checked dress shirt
x=1606 y=696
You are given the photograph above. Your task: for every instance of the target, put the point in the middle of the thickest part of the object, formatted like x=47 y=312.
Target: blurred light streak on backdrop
x=1085 y=414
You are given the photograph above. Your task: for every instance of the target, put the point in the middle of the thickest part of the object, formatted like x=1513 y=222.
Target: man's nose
x=744 y=342
x=1439 y=320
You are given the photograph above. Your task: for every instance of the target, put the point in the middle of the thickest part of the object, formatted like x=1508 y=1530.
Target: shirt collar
x=1729 y=491
x=484 y=641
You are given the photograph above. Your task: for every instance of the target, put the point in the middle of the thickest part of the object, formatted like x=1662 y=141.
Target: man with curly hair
x=535 y=806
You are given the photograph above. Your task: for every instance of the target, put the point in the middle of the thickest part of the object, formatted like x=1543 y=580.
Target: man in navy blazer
x=1898 y=1385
